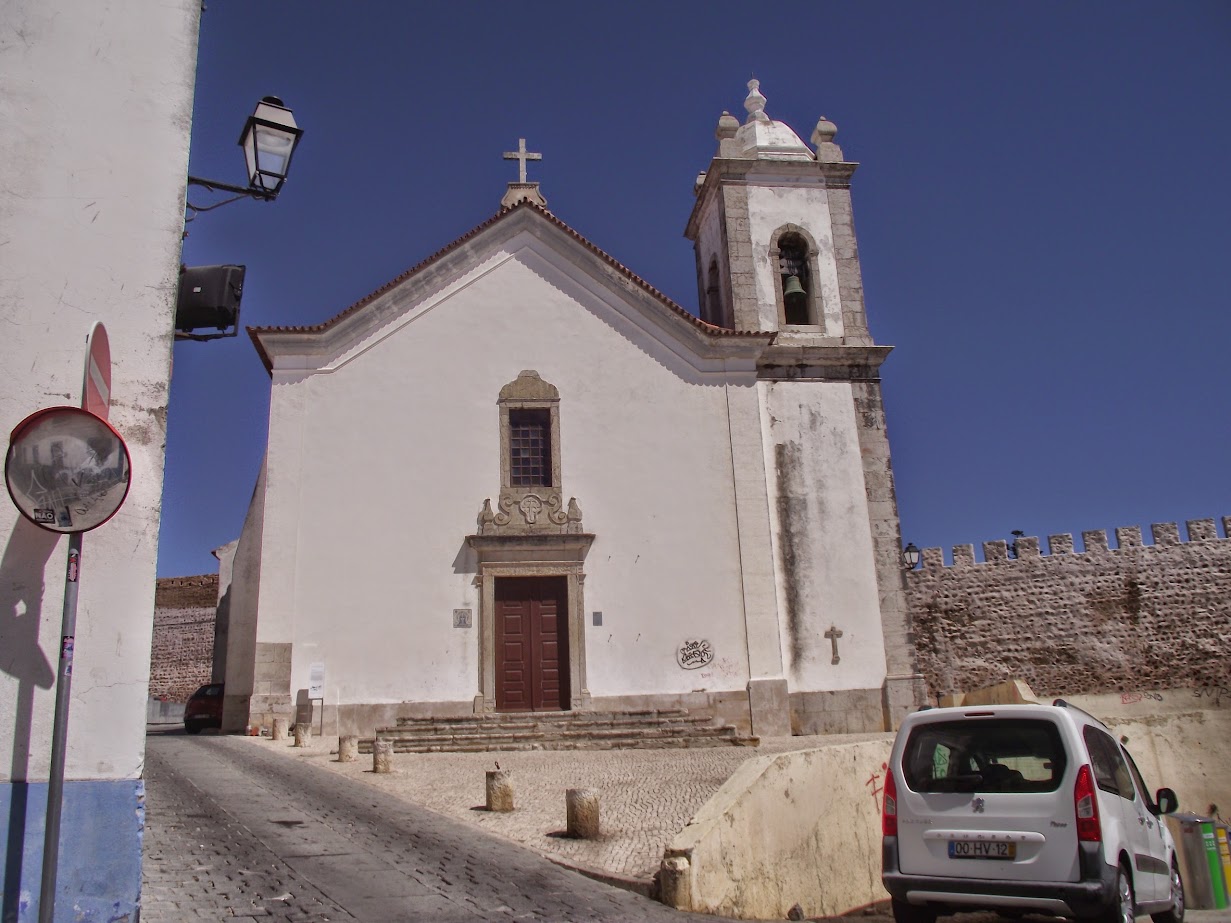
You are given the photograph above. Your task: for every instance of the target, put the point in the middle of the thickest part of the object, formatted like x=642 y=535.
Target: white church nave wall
x=400 y=446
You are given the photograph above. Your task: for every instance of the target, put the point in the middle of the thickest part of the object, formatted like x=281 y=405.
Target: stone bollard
x=674 y=883
x=499 y=790
x=382 y=755
x=348 y=748
x=281 y=725
x=303 y=735
x=581 y=808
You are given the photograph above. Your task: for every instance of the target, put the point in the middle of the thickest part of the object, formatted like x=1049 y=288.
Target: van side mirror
x=1166 y=800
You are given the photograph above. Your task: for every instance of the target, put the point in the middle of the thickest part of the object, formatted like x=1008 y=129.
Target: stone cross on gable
x=833 y=635
x=521 y=155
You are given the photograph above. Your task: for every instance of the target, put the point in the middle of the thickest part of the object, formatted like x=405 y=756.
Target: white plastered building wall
x=384 y=443
x=91 y=223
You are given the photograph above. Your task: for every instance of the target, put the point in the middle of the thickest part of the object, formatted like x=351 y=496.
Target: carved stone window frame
x=816 y=306
x=529 y=392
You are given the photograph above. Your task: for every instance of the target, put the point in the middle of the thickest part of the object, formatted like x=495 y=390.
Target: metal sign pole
x=95 y=398
x=59 y=733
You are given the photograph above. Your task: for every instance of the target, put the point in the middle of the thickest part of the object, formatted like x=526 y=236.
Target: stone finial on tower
x=728 y=125
x=755 y=103
x=760 y=137
x=822 y=136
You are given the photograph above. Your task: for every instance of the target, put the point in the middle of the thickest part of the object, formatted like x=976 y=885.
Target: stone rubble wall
x=1105 y=620
x=182 y=655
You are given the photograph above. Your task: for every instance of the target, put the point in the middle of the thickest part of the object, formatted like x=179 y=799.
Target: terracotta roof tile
x=504 y=212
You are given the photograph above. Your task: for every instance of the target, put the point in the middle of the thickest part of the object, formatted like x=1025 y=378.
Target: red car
x=204 y=709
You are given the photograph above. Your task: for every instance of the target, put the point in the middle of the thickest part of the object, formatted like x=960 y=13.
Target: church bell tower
x=773 y=232
x=776 y=252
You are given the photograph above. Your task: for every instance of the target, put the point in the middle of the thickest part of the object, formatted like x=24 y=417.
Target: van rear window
x=984 y=755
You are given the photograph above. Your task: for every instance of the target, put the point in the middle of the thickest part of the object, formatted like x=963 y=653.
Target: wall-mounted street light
x=209 y=295
x=269 y=140
x=910 y=557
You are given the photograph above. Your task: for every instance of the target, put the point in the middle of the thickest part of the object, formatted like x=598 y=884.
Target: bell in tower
x=773 y=218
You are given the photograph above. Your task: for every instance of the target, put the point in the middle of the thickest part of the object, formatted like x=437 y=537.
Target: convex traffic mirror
x=66 y=470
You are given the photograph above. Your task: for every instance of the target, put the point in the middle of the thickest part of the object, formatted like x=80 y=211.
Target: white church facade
x=518 y=478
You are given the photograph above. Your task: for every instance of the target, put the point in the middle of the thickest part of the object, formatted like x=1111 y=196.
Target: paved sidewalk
x=646 y=796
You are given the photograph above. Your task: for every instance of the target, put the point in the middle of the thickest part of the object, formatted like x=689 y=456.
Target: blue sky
x=1042 y=211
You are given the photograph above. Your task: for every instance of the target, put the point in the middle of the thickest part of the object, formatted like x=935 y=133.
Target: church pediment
x=525 y=232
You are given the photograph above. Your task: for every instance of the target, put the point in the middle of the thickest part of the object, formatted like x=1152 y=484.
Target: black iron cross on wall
x=833 y=635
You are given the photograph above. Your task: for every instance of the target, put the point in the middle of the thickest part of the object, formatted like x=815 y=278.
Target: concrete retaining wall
x=804 y=827
x=1180 y=738
x=799 y=827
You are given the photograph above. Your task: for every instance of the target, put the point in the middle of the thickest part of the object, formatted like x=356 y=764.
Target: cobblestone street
x=235 y=833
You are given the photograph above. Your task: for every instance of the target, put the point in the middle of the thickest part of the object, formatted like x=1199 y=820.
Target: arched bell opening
x=795 y=280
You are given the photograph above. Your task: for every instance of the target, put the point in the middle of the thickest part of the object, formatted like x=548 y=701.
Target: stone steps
x=663 y=728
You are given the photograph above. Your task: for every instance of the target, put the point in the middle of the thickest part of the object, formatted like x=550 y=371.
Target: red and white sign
x=96 y=392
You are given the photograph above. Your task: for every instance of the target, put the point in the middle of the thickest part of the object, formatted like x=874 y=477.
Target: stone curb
x=636 y=885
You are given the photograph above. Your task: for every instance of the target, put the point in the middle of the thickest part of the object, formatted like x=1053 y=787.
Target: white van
x=1023 y=809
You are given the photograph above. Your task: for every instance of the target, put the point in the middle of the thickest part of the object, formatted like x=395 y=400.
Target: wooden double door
x=532 y=668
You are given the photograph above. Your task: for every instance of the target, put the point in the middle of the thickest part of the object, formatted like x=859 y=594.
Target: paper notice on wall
x=316 y=681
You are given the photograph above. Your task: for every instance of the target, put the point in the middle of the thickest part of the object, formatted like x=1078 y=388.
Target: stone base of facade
x=766 y=709
x=271 y=672
x=769 y=705
x=843 y=711
x=99 y=872
x=363 y=719
x=904 y=694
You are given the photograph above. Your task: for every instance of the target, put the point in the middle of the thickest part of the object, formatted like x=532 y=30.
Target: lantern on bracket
x=269 y=139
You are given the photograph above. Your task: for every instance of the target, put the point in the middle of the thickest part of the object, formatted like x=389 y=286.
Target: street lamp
x=269 y=140
x=209 y=295
x=910 y=557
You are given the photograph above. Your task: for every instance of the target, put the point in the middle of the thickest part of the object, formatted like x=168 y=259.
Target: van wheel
x=1121 y=910
x=192 y=728
x=909 y=913
x=1176 y=913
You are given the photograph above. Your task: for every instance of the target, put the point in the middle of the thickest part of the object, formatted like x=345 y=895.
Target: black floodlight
x=208 y=298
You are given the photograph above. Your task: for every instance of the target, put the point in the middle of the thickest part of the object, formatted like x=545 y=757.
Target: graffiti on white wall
x=694 y=654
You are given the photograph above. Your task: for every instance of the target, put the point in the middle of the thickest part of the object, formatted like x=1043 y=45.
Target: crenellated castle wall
x=1137 y=616
x=183 y=645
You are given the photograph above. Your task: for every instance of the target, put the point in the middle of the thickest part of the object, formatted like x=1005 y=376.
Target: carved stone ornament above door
x=526 y=513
